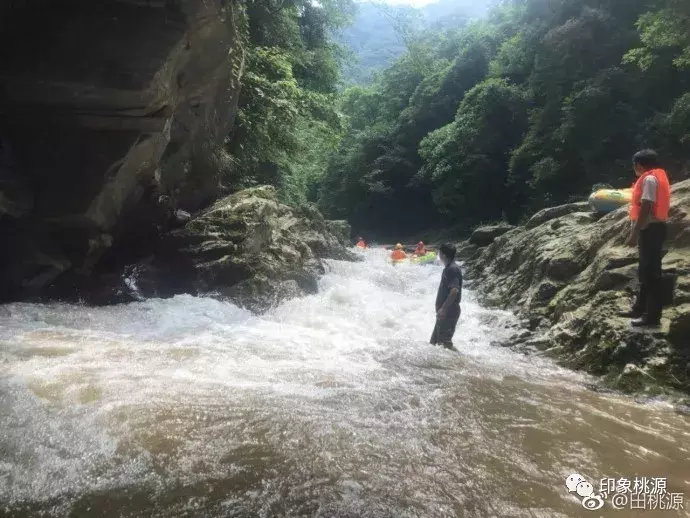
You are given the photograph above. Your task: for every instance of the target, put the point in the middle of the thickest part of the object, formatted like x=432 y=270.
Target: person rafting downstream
x=447 y=299
x=420 y=250
x=361 y=243
x=649 y=207
x=398 y=254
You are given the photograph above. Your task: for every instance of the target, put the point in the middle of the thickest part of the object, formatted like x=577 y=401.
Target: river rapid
x=331 y=405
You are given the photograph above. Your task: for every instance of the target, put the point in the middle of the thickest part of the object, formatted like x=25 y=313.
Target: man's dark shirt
x=451 y=278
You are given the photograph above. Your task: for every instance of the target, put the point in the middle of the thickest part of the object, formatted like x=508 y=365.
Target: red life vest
x=398 y=255
x=663 y=196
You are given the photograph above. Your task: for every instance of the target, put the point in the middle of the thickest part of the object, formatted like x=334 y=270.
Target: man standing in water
x=649 y=207
x=447 y=299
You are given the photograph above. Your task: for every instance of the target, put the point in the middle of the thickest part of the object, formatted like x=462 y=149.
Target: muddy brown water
x=331 y=405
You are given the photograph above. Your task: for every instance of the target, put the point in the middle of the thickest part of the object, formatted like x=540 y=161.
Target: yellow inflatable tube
x=608 y=200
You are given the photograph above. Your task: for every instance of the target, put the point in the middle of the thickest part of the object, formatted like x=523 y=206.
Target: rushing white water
x=330 y=405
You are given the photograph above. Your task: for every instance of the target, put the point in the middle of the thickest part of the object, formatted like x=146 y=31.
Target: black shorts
x=444 y=331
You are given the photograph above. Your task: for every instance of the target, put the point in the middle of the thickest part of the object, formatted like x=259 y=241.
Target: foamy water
x=329 y=405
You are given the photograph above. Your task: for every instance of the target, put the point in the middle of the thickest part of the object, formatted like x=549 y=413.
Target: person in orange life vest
x=649 y=207
x=398 y=254
x=360 y=243
x=420 y=250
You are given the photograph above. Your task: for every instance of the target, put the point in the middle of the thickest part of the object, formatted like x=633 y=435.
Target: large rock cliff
x=569 y=273
x=113 y=114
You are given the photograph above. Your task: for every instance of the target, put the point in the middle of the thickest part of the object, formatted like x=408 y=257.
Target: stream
x=331 y=405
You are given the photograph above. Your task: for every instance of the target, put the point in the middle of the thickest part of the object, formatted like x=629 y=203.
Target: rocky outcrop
x=485 y=235
x=113 y=113
x=247 y=247
x=569 y=273
x=550 y=213
x=320 y=235
x=341 y=230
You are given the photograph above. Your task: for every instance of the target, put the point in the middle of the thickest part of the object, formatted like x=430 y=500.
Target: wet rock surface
x=485 y=235
x=569 y=274
x=247 y=247
x=113 y=116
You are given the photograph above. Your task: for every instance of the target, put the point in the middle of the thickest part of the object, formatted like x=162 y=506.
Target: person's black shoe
x=630 y=314
x=644 y=322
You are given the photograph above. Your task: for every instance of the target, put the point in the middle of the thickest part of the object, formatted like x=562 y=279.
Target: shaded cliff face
x=112 y=114
x=569 y=274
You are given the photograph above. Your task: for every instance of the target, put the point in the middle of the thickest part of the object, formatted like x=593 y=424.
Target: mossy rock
x=571 y=270
x=251 y=248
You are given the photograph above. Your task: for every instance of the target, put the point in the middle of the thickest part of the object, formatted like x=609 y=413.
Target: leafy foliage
x=286 y=123
x=662 y=31
x=469 y=157
x=529 y=107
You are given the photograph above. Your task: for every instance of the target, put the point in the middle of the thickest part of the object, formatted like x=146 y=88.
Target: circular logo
x=592 y=503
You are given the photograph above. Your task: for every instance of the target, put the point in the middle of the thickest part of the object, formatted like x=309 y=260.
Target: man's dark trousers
x=445 y=329
x=650 y=297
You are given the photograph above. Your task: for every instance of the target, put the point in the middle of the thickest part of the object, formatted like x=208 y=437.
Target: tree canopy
x=475 y=121
x=287 y=122
x=532 y=106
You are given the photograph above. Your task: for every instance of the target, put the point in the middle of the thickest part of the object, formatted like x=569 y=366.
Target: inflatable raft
x=430 y=257
x=604 y=201
x=424 y=259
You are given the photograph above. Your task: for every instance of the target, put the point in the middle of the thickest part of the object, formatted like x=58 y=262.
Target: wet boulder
x=572 y=273
x=547 y=290
x=318 y=235
x=248 y=247
x=551 y=213
x=634 y=379
x=341 y=230
x=485 y=235
x=466 y=250
x=679 y=331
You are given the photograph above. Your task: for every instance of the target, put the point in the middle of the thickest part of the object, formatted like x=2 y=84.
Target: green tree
x=468 y=159
x=531 y=107
x=286 y=123
x=662 y=32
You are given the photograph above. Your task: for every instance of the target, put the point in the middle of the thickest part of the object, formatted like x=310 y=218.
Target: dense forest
x=490 y=120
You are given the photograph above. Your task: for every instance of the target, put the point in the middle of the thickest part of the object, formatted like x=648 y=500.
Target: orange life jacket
x=663 y=196
x=361 y=244
x=398 y=255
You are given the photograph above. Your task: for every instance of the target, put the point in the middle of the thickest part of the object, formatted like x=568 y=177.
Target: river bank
x=567 y=274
